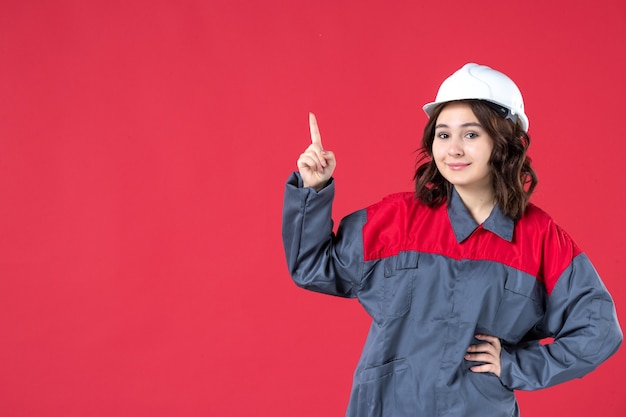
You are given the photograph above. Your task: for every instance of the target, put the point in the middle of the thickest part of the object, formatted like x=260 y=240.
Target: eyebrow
x=469 y=124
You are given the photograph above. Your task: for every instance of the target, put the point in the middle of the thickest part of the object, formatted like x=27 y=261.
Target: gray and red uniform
x=433 y=278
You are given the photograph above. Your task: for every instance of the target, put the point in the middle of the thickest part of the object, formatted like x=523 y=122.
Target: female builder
x=463 y=277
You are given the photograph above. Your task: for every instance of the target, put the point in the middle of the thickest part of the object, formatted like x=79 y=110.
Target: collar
x=464 y=224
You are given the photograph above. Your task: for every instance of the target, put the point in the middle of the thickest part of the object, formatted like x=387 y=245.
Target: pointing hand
x=316 y=165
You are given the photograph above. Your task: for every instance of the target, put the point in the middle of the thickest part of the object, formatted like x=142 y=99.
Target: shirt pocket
x=386 y=390
x=398 y=285
x=520 y=309
x=487 y=396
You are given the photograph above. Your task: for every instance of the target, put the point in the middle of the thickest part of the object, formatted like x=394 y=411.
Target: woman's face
x=462 y=149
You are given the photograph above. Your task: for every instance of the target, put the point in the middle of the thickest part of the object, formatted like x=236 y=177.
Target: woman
x=463 y=278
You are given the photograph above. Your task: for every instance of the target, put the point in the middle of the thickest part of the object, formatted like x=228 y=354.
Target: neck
x=478 y=203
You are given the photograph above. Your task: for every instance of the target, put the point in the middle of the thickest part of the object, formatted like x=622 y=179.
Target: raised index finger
x=316 y=138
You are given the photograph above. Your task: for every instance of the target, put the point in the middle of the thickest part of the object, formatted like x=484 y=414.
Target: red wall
x=143 y=150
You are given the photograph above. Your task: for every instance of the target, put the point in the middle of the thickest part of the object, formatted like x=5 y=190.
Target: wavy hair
x=513 y=177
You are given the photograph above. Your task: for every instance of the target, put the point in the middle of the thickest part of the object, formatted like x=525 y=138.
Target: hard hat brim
x=429 y=107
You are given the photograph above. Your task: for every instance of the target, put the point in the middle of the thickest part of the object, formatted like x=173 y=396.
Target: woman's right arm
x=318 y=259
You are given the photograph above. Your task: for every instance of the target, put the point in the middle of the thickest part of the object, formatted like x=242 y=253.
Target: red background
x=143 y=150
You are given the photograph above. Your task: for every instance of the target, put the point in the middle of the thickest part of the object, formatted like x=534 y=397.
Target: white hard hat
x=480 y=82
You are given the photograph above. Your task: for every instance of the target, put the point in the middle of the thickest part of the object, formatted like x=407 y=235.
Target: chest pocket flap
x=398 y=284
x=520 y=307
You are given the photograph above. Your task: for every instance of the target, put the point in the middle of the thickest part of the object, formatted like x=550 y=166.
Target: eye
x=442 y=135
x=471 y=135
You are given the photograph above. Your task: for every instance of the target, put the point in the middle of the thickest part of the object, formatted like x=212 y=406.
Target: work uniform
x=431 y=279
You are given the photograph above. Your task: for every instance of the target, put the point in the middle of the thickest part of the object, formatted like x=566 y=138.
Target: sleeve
x=580 y=316
x=318 y=259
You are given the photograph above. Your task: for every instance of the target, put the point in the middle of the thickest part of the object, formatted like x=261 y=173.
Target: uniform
x=431 y=278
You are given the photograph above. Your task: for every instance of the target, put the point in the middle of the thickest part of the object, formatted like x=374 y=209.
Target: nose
x=455 y=146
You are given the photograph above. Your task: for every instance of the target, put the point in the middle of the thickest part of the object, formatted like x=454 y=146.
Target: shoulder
x=538 y=222
x=390 y=221
x=536 y=214
x=403 y=202
x=394 y=209
x=558 y=250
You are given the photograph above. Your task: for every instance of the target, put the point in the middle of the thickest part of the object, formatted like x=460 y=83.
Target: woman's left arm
x=581 y=317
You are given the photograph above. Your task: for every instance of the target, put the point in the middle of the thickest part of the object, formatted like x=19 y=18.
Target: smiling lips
x=457 y=166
